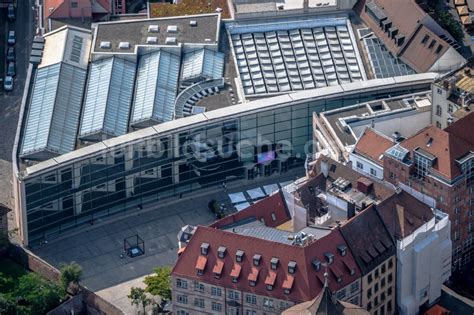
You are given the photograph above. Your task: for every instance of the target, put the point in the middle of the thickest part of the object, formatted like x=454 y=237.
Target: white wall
x=450 y=60
x=423 y=264
x=367 y=165
x=407 y=123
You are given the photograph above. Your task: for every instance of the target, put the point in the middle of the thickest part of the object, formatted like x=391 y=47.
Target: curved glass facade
x=110 y=177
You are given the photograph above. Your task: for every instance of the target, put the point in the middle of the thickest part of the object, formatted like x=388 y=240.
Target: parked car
x=11 y=38
x=11 y=69
x=11 y=54
x=11 y=12
x=8 y=83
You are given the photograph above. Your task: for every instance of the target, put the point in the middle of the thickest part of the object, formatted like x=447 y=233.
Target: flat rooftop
x=196 y=29
x=462 y=79
x=339 y=119
x=278 y=5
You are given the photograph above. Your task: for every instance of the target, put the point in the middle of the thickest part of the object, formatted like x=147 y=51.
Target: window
x=382 y=282
x=199 y=302
x=373 y=172
x=273 y=216
x=251 y=299
x=360 y=165
x=274 y=263
x=369 y=306
x=438 y=125
x=425 y=39
x=376 y=301
x=204 y=248
x=284 y=305
x=390 y=278
x=376 y=273
x=354 y=287
x=438 y=110
x=198 y=287
x=239 y=255
x=74 y=5
x=268 y=302
x=450 y=108
x=422 y=164
x=216 y=291
x=341 y=294
x=433 y=42
x=291 y=267
x=183 y=299
x=389 y=291
x=180 y=283
x=182 y=312
x=256 y=259
x=383 y=269
x=369 y=293
x=438 y=50
x=250 y=312
x=439 y=91
x=233 y=295
x=216 y=306
x=389 y=306
x=391 y=175
x=369 y=279
x=376 y=287
x=221 y=251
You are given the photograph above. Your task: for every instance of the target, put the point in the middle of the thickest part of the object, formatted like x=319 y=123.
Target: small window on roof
x=330 y=257
x=105 y=45
x=221 y=251
x=204 y=248
x=151 y=40
x=316 y=264
x=153 y=28
x=342 y=249
x=256 y=259
x=172 y=29
x=274 y=263
x=170 y=40
x=292 y=267
x=239 y=255
x=193 y=23
x=124 y=45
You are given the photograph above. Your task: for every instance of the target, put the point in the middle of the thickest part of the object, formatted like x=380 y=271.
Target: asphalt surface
x=10 y=102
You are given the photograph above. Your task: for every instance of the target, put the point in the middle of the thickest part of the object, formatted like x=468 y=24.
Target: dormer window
x=239 y=255
x=221 y=251
x=256 y=259
x=316 y=264
x=342 y=249
x=274 y=263
x=423 y=161
x=204 y=248
x=329 y=257
x=292 y=267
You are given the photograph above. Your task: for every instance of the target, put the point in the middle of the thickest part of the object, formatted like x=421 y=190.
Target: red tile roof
x=305 y=283
x=372 y=145
x=262 y=209
x=447 y=145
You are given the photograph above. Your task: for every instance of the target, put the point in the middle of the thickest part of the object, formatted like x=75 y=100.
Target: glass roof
x=108 y=97
x=203 y=63
x=53 y=116
x=156 y=88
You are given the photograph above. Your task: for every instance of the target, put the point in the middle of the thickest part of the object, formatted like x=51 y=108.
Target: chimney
x=401 y=218
x=350 y=209
x=325 y=167
x=305 y=5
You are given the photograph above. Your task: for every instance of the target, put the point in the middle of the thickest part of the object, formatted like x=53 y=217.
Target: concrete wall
x=424 y=263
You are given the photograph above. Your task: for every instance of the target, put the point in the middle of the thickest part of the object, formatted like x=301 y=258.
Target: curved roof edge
x=232 y=111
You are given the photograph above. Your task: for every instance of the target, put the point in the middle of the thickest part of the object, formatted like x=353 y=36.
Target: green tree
x=160 y=283
x=138 y=297
x=70 y=274
x=37 y=295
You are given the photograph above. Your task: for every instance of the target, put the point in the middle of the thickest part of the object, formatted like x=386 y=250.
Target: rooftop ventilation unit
x=124 y=45
x=152 y=40
x=153 y=28
x=193 y=23
x=170 y=40
x=105 y=45
x=172 y=29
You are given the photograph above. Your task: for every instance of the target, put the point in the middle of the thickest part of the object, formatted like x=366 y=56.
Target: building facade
x=439 y=164
x=424 y=246
x=452 y=96
x=180 y=156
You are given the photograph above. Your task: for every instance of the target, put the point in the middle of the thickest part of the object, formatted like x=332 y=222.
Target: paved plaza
x=98 y=248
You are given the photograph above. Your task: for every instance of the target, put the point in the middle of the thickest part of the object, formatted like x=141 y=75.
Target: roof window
x=124 y=45
x=256 y=259
x=170 y=40
x=221 y=251
x=153 y=28
x=105 y=45
x=330 y=257
x=193 y=23
x=205 y=248
x=274 y=263
x=316 y=264
x=292 y=267
x=151 y=40
x=239 y=255
x=342 y=249
x=172 y=29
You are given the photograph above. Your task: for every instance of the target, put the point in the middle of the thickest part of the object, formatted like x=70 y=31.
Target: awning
x=288 y=283
x=235 y=273
x=253 y=275
x=271 y=277
x=218 y=267
x=201 y=262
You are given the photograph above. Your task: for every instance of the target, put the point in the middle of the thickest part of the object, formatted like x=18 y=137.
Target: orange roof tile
x=372 y=145
x=253 y=276
x=271 y=277
x=235 y=273
x=218 y=267
x=201 y=263
x=288 y=283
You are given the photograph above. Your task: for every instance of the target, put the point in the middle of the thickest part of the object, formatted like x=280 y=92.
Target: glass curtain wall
x=128 y=177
